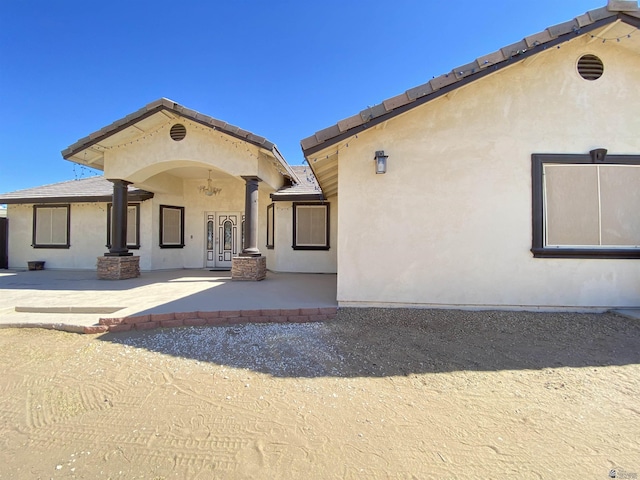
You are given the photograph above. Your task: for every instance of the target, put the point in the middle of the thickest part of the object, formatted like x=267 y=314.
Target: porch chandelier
x=209 y=190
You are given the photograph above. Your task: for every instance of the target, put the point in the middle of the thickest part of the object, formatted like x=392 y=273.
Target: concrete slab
x=72 y=300
x=633 y=313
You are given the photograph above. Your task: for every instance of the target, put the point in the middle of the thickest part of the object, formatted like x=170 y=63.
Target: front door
x=223 y=234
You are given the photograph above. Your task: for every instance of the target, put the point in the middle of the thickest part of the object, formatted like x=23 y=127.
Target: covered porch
x=209 y=183
x=76 y=301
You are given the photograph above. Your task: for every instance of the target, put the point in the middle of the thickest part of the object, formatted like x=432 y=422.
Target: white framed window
x=171 y=226
x=311 y=226
x=586 y=209
x=51 y=226
x=133 y=225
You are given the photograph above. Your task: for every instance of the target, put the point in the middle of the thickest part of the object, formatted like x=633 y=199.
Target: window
x=311 y=226
x=171 y=227
x=51 y=226
x=133 y=225
x=270 y=219
x=586 y=206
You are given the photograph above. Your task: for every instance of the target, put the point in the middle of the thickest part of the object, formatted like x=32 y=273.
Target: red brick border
x=224 y=317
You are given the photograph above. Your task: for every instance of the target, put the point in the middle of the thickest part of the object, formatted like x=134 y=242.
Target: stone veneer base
x=249 y=268
x=118 y=268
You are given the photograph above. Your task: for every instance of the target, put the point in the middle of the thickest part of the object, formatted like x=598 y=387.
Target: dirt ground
x=406 y=394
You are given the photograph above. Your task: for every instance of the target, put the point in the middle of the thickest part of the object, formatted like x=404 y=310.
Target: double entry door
x=223 y=238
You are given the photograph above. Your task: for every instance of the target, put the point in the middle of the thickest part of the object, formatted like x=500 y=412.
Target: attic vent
x=178 y=132
x=590 y=67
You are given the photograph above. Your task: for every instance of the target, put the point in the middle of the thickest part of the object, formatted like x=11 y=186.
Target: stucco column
x=119 y=219
x=250 y=247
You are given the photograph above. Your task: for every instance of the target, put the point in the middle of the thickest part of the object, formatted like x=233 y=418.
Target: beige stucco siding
x=155 y=154
x=285 y=259
x=450 y=223
x=89 y=228
x=88 y=236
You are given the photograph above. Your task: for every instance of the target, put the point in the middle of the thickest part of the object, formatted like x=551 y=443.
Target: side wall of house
x=450 y=223
x=87 y=236
x=286 y=259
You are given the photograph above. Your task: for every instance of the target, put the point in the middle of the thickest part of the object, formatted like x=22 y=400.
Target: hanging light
x=209 y=190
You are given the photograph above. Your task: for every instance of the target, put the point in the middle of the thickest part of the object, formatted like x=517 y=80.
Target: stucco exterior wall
x=88 y=236
x=154 y=154
x=285 y=259
x=449 y=224
x=89 y=230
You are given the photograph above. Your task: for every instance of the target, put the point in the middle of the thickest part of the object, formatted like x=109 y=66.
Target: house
x=184 y=185
x=510 y=182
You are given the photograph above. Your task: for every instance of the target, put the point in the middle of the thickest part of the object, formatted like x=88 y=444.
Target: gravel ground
x=401 y=394
x=382 y=342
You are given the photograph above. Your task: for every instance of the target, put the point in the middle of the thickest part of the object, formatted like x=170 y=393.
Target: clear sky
x=280 y=69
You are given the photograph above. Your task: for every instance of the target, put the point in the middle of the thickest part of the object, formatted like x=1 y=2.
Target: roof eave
x=169 y=105
x=529 y=52
x=135 y=197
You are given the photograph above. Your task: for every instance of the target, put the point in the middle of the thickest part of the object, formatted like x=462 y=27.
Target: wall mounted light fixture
x=381 y=162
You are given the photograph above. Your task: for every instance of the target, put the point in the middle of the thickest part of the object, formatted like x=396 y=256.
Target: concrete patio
x=77 y=301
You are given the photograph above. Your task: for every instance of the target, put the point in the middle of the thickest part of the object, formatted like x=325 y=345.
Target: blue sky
x=280 y=69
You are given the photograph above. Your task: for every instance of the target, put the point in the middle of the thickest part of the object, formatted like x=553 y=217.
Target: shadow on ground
x=385 y=342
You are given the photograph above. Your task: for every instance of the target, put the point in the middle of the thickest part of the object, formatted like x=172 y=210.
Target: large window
x=310 y=226
x=586 y=206
x=133 y=225
x=270 y=224
x=51 y=226
x=171 y=227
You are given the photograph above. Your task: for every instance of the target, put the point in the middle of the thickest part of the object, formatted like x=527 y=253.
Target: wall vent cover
x=178 y=132
x=590 y=67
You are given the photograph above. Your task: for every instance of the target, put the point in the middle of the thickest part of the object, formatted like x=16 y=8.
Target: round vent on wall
x=178 y=132
x=590 y=67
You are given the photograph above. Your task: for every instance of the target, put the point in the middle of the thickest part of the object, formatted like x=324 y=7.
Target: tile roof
x=626 y=11
x=92 y=189
x=170 y=105
x=307 y=189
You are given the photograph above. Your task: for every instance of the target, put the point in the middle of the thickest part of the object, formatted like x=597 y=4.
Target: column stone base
x=249 y=268
x=118 y=268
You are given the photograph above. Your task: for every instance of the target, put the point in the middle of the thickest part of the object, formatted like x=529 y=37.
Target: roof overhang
x=321 y=149
x=300 y=197
x=131 y=197
x=90 y=150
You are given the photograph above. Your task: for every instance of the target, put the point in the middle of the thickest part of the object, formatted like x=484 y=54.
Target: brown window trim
x=326 y=246
x=181 y=244
x=35 y=215
x=271 y=231
x=135 y=246
x=539 y=250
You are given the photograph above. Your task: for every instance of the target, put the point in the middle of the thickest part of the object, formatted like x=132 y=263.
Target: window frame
x=326 y=245
x=135 y=246
x=539 y=249
x=270 y=222
x=161 y=222
x=65 y=245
